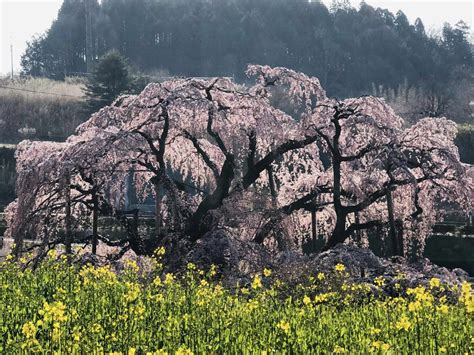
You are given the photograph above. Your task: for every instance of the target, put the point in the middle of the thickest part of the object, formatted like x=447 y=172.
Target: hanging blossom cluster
x=214 y=154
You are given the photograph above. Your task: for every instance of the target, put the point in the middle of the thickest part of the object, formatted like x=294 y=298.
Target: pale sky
x=21 y=19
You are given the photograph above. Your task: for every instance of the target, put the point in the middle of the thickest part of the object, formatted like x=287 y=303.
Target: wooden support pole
x=357 y=235
x=95 y=217
x=314 y=225
x=157 y=210
x=271 y=183
x=68 y=215
x=391 y=222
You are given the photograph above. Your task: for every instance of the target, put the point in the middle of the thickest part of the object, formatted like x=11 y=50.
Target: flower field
x=67 y=309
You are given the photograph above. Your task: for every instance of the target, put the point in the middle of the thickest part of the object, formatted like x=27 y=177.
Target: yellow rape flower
x=160 y=251
x=169 y=279
x=157 y=281
x=384 y=347
x=133 y=292
x=379 y=281
x=375 y=331
x=257 y=282
x=414 y=306
x=131 y=265
x=285 y=326
x=306 y=300
x=321 y=276
x=469 y=304
x=76 y=336
x=403 y=323
x=213 y=270
x=183 y=350
x=56 y=333
x=218 y=290
x=54 y=312
x=443 y=308
x=435 y=283
x=381 y=345
x=466 y=287
x=191 y=266
x=29 y=330
x=267 y=272
x=323 y=297
x=96 y=328
x=339 y=350
x=340 y=268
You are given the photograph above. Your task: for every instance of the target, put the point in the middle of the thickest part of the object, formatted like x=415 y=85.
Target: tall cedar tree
x=109 y=79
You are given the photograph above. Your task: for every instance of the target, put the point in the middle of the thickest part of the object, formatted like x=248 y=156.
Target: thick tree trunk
x=200 y=222
x=279 y=233
x=339 y=234
x=267 y=228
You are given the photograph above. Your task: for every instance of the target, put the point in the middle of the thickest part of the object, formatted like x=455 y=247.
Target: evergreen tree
x=109 y=79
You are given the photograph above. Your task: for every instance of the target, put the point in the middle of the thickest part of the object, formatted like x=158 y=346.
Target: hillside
x=39 y=108
x=349 y=49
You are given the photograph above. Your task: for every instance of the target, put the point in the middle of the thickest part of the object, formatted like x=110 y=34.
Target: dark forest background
x=353 y=51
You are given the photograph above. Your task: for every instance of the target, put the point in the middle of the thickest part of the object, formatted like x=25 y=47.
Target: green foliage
x=68 y=309
x=109 y=79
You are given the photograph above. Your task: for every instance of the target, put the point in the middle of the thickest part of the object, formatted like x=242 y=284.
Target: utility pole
x=11 y=59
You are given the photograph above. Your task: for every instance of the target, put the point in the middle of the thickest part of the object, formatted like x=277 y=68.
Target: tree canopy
x=265 y=162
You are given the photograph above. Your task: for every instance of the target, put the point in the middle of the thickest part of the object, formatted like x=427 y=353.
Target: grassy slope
x=53 y=109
